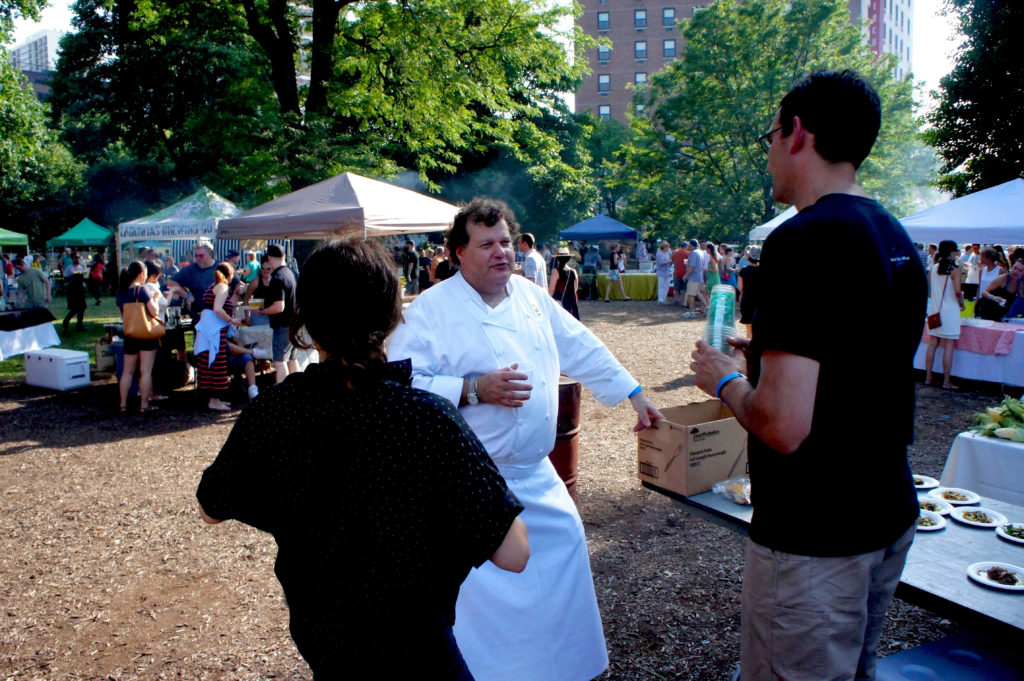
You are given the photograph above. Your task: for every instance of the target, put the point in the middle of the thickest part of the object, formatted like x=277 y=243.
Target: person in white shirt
x=696 y=264
x=533 y=262
x=494 y=345
x=972 y=260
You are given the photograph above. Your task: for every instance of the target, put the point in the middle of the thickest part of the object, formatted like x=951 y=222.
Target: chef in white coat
x=494 y=345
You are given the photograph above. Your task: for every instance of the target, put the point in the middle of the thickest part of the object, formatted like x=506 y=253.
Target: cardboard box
x=57 y=368
x=104 y=356
x=696 y=446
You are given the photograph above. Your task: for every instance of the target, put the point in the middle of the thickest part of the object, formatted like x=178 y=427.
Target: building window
x=604 y=53
x=668 y=48
x=640 y=49
x=604 y=82
x=640 y=77
x=604 y=21
x=604 y=111
x=668 y=17
x=640 y=18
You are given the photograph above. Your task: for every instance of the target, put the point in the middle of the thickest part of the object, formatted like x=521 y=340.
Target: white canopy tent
x=761 y=232
x=341 y=205
x=990 y=216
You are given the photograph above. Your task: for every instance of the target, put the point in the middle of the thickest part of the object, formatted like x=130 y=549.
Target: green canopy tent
x=85 y=233
x=9 y=238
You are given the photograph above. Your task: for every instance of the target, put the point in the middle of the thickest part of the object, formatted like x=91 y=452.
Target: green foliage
x=978 y=125
x=37 y=173
x=695 y=165
x=607 y=138
x=12 y=9
x=208 y=87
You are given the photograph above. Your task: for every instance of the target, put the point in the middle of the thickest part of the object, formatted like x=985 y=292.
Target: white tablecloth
x=1007 y=369
x=25 y=340
x=990 y=466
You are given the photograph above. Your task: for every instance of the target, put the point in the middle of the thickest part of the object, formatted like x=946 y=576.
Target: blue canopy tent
x=597 y=228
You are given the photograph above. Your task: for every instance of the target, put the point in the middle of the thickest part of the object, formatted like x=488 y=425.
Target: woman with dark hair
x=713 y=276
x=948 y=300
x=616 y=266
x=564 y=283
x=379 y=495
x=211 y=346
x=139 y=353
x=74 y=281
x=1002 y=297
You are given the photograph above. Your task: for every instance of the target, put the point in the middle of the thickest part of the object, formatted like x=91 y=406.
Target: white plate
x=944 y=506
x=926 y=482
x=1001 y=531
x=940 y=522
x=977 y=573
x=972 y=498
x=996 y=517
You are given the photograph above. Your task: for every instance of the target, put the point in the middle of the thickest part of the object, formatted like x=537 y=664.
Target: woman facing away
x=713 y=277
x=947 y=299
x=74 y=281
x=377 y=531
x=564 y=283
x=663 y=270
x=139 y=353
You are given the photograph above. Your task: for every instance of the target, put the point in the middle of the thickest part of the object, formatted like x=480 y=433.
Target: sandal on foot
x=147 y=408
x=219 y=407
x=950 y=386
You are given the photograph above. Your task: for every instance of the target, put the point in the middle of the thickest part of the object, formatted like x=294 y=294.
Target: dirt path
x=108 y=572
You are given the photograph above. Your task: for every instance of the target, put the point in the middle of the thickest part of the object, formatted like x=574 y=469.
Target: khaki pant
x=806 y=618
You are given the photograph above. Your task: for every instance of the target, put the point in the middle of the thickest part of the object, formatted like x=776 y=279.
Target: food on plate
x=1014 y=530
x=1004 y=576
x=926 y=521
x=976 y=516
x=954 y=496
x=930 y=506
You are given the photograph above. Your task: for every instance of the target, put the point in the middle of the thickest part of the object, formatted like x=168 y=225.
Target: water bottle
x=721 y=322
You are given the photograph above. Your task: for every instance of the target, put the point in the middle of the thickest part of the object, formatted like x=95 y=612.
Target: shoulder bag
x=934 y=321
x=138 y=323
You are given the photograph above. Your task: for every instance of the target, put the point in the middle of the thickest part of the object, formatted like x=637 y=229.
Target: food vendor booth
x=637 y=285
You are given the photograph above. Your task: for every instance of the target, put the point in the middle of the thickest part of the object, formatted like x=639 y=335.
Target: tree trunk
x=274 y=35
x=325 y=25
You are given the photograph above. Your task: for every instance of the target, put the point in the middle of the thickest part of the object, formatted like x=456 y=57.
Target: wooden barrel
x=565 y=455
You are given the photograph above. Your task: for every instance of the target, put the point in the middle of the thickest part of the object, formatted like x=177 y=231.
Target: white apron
x=542 y=624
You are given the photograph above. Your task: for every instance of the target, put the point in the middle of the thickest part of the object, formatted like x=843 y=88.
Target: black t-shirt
x=412 y=264
x=444 y=270
x=751 y=292
x=195 y=280
x=380 y=498
x=281 y=287
x=848 y=488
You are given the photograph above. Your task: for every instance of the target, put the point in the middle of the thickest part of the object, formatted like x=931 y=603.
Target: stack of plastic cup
x=721 y=322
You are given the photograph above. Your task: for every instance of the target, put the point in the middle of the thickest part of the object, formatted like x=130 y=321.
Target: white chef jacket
x=450 y=333
x=542 y=624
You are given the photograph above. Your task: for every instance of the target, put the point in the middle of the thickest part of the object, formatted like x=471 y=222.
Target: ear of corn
x=1005 y=421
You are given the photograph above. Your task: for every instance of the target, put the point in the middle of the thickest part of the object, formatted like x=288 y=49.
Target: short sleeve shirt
x=380 y=497
x=33 y=283
x=863 y=416
x=135 y=294
x=696 y=261
x=281 y=287
x=195 y=280
x=533 y=268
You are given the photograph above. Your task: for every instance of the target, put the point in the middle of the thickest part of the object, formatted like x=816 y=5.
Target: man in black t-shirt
x=279 y=305
x=815 y=594
x=412 y=269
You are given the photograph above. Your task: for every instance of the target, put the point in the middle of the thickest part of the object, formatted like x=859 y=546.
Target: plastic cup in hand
x=721 y=321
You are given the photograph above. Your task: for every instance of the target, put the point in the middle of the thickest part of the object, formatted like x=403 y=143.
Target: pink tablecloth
x=983 y=337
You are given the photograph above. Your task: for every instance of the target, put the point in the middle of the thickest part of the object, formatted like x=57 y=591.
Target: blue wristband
x=636 y=391
x=724 y=381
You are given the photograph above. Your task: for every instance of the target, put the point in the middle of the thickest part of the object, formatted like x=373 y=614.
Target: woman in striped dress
x=212 y=336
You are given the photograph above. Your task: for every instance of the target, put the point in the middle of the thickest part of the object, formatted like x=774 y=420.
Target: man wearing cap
x=695 y=266
x=494 y=344
x=279 y=306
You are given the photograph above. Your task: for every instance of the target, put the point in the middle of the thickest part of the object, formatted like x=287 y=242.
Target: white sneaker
x=260 y=353
x=253 y=392
x=689 y=315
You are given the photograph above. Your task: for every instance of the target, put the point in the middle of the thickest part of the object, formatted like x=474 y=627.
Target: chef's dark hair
x=353 y=334
x=484 y=210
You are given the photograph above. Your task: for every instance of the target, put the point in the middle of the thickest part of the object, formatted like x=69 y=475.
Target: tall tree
x=978 y=125
x=37 y=173
x=695 y=163
x=607 y=139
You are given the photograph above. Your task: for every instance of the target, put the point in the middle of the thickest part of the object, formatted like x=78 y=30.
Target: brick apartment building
x=645 y=38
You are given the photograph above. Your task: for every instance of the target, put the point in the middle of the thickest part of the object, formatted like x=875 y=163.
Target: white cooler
x=57 y=368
